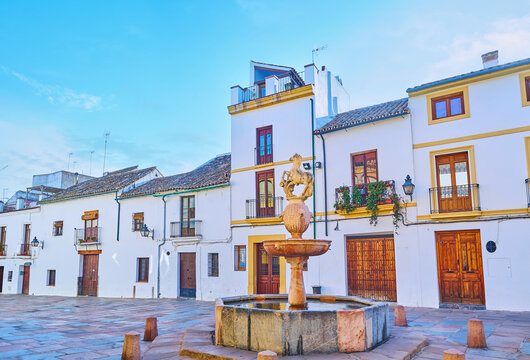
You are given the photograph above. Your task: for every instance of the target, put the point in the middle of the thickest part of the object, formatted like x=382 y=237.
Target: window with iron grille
x=213 y=264
x=137 y=221
x=240 y=258
x=142 y=273
x=57 y=228
x=50 y=279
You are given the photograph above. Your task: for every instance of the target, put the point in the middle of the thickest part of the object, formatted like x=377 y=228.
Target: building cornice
x=272 y=99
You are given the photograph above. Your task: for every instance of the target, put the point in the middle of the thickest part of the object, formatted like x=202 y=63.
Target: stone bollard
x=131 y=346
x=267 y=355
x=475 y=334
x=453 y=354
x=400 y=319
x=151 y=330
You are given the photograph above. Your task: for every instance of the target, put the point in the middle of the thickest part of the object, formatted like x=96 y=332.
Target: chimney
x=76 y=178
x=490 y=59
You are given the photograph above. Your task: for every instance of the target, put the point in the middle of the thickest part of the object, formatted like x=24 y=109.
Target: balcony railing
x=527 y=182
x=191 y=228
x=446 y=199
x=3 y=249
x=88 y=237
x=262 y=208
x=363 y=189
x=25 y=250
x=285 y=82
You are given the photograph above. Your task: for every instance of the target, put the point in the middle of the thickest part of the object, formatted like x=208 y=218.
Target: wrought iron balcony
x=3 y=249
x=25 y=250
x=181 y=229
x=446 y=199
x=89 y=236
x=264 y=207
x=527 y=182
x=363 y=189
x=285 y=82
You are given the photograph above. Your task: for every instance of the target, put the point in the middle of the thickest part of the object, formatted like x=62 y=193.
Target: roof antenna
x=69 y=156
x=107 y=134
x=323 y=47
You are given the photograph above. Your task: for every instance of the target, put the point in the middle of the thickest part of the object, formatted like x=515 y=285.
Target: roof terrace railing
x=277 y=84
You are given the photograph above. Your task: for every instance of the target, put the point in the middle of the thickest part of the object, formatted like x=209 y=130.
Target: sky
x=156 y=75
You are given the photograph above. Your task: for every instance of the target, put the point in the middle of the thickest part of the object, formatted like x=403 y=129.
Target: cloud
x=510 y=36
x=56 y=94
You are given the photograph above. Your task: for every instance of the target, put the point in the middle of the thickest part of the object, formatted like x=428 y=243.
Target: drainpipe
x=119 y=209
x=159 y=247
x=325 y=184
x=313 y=155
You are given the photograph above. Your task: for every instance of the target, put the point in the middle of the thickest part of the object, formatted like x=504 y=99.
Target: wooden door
x=460 y=274
x=264 y=145
x=265 y=193
x=89 y=282
x=1 y=278
x=187 y=275
x=25 y=281
x=268 y=272
x=371 y=267
x=454 y=190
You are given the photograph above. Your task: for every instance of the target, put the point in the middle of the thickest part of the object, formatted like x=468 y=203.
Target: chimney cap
x=490 y=59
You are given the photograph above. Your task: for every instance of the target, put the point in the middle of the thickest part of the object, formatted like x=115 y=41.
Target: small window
x=50 y=279
x=10 y=276
x=213 y=264
x=142 y=270
x=57 y=228
x=240 y=258
x=527 y=87
x=447 y=106
x=138 y=221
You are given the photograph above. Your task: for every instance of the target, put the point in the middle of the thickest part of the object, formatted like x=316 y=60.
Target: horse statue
x=294 y=177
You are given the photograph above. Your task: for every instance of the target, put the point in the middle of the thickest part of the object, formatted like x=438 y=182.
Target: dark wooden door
x=187 y=275
x=371 y=267
x=460 y=274
x=265 y=193
x=25 y=281
x=454 y=190
x=89 y=283
x=1 y=278
x=268 y=272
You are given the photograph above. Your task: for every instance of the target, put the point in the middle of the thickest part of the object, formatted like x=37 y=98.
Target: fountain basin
x=296 y=247
x=328 y=324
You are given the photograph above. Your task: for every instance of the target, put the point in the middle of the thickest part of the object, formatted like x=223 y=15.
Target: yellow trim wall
x=464 y=90
x=272 y=164
x=251 y=269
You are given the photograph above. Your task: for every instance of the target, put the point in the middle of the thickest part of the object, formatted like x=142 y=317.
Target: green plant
x=348 y=201
x=397 y=210
x=376 y=193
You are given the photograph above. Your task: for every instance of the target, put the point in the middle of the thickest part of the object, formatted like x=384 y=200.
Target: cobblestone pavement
x=40 y=327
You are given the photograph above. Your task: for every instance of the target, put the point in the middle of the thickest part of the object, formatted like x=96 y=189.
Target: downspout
x=325 y=185
x=119 y=209
x=159 y=247
x=313 y=155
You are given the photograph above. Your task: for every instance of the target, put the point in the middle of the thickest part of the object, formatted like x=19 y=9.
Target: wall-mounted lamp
x=146 y=232
x=408 y=187
x=318 y=165
x=307 y=166
x=36 y=243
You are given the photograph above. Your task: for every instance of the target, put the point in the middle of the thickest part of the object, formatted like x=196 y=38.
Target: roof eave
x=316 y=132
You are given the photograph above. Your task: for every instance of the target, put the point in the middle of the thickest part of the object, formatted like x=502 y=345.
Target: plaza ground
x=40 y=327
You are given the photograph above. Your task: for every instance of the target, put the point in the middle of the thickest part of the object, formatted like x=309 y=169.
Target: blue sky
x=156 y=74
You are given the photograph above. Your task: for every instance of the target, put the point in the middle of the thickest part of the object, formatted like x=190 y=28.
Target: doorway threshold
x=462 y=306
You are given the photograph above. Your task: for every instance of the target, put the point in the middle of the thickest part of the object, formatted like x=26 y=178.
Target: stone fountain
x=297 y=323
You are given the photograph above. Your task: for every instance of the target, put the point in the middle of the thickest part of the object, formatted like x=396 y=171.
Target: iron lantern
x=36 y=243
x=408 y=186
x=146 y=232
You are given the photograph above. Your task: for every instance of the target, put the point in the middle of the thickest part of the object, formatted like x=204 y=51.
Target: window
x=10 y=276
x=264 y=145
x=91 y=226
x=527 y=87
x=142 y=270
x=213 y=264
x=187 y=216
x=262 y=90
x=50 y=279
x=24 y=248
x=452 y=175
x=265 y=193
x=240 y=258
x=2 y=241
x=447 y=106
x=57 y=228
x=137 y=221
x=364 y=168
x=524 y=79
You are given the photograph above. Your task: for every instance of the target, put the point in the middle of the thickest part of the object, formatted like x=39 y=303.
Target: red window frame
x=264 y=153
x=527 y=87
x=268 y=208
x=447 y=99
x=143 y=270
x=363 y=155
x=239 y=252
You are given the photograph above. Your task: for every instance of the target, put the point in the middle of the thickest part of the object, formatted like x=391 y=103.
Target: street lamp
x=408 y=187
x=146 y=232
x=35 y=243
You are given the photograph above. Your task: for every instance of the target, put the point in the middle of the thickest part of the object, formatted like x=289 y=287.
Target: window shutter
x=210 y=264
x=236 y=258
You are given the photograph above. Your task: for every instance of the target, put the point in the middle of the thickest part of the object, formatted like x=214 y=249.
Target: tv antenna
x=107 y=134
x=69 y=156
x=90 y=167
x=322 y=48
